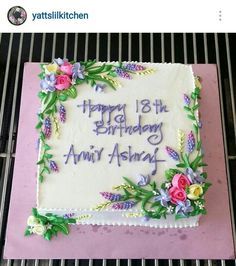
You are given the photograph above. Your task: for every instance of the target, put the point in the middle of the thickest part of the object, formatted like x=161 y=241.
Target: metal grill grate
x=15 y=49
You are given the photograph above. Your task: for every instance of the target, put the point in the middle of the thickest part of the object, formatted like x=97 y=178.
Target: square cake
x=119 y=144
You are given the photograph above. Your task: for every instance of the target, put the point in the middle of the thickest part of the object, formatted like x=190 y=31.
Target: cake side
x=150 y=153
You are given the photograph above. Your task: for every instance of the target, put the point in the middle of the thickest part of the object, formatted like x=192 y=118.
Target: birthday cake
x=119 y=144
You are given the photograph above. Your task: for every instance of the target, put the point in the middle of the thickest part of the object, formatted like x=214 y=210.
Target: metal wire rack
x=17 y=48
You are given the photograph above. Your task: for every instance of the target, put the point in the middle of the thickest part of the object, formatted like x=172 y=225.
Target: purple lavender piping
x=172 y=153
x=47 y=127
x=53 y=166
x=111 y=196
x=123 y=205
x=62 y=113
x=120 y=72
x=134 y=67
x=191 y=142
x=186 y=99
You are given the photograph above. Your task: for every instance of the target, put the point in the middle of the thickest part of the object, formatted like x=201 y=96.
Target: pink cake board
x=213 y=239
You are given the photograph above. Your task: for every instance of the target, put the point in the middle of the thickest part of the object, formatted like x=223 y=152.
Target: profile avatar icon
x=17 y=15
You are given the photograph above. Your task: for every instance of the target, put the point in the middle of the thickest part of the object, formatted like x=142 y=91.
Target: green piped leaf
x=27 y=231
x=48 y=156
x=41 y=95
x=72 y=92
x=42 y=136
x=40 y=162
x=186 y=160
x=205 y=187
x=155 y=204
x=79 y=81
x=196 y=162
x=195 y=128
x=39 y=125
x=63 y=228
x=41 y=75
x=136 y=187
x=112 y=74
x=41 y=178
x=192 y=117
x=46 y=169
x=186 y=108
x=195 y=107
x=62 y=97
x=199 y=145
x=204 y=175
x=202 y=164
x=49 y=101
x=170 y=173
x=181 y=165
x=46 y=147
x=97 y=70
x=179 y=216
x=48 y=235
x=35 y=212
x=88 y=64
x=193 y=96
x=127 y=193
x=70 y=221
x=99 y=78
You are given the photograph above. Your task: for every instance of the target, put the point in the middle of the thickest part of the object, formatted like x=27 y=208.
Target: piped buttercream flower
x=180 y=181
x=164 y=197
x=177 y=194
x=62 y=82
x=99 y=88
x=48 y=83
x=194 y=177
x=39 y=229
x=183 y=207
x=143 y=180
x=60 y=61
x=31 y=221
x=195 y=191
x=50 y=68
x=66 y=68
x=77 y=71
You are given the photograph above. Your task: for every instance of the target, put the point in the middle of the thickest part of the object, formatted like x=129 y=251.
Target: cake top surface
x=133 y=127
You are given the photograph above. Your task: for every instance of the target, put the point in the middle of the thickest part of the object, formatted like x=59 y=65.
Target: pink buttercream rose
x=62 y=82
x=66 y=68
x=180 y=181
x=177 y=194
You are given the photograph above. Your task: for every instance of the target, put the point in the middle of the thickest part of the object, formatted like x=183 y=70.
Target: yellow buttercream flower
x=195 y=191
x=39 y=229
x=32 y=221
x=51 y=68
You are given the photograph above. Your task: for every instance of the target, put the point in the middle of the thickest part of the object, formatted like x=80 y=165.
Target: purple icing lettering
x=121 y=128
x=135 y=156
x=99 y=154
x=102 y=109
x=124 y=155
x=90 y=156
x=86 y=156
x=115 y=154
x=70 y=153
x=146 y=108
x=119 y=119
x=132 y=156
x=100 y=128
x=137 y=106
x=157 y=138
x=160 y=108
